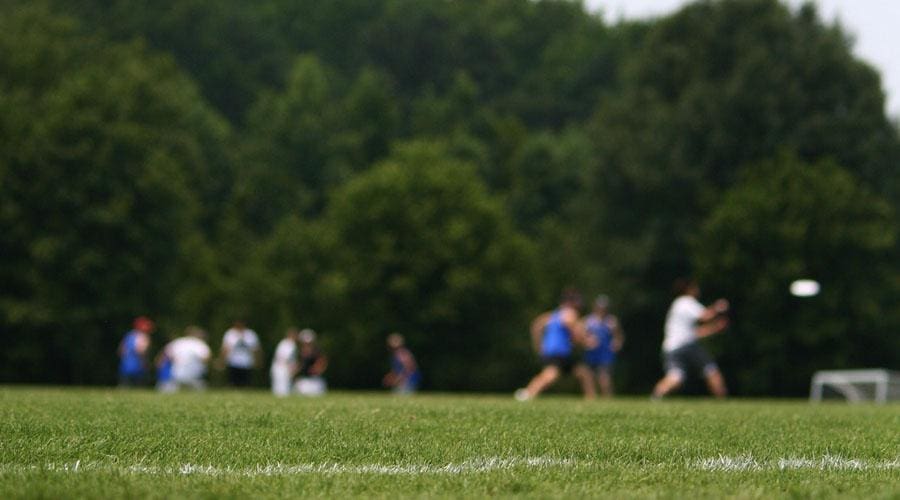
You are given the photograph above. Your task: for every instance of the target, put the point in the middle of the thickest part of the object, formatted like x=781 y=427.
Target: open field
x=95 y=443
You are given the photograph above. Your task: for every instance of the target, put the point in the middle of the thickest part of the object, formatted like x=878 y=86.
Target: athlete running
x=554 y=335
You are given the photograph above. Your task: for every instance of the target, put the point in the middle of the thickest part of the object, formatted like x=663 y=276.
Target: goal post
x=855 y=386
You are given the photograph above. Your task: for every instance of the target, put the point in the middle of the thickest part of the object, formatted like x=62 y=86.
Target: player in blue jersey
x=554 y=335
x=133 y=353
x=404 y=377
x=164 y=382
x=606 y=334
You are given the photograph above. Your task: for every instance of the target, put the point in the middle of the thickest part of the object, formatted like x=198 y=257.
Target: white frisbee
x=805 y=288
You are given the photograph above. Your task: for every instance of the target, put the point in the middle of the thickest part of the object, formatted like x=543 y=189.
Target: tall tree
x=100 y=145
x=714 y=87
x=786 y=220
x=310 y=137
x=432 y=256
x=233 y=49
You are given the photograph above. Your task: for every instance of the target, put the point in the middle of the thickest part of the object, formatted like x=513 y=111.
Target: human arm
x=160 y=357
x=223 y=355
x=319 y=366
x=401 y=371
x=618 y=336
x=204 y=353
x=224 y=351
x=408 y=362
x=579 y=331
x=715 y=309
x=141 y=348
x=537 y=330
x=712 y=319
x=258 y=356
x=256 y=346
x=391 y=378
x=712 y=327
x=141 y=344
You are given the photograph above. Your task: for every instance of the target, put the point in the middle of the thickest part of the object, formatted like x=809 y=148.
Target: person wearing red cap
x=133 y=353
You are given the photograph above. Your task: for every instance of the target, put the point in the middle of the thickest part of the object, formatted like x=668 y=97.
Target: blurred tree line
x=441 y=169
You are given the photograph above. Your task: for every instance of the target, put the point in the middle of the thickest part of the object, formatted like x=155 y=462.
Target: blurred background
x=442 y=169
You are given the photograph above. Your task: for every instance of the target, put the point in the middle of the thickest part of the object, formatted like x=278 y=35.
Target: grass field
x=93 y=443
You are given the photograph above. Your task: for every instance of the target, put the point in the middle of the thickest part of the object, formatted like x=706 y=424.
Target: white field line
x=721 y=463
x=278 y=469
x=825 y=463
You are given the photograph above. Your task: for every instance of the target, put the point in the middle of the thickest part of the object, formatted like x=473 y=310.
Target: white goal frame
x=846 y=382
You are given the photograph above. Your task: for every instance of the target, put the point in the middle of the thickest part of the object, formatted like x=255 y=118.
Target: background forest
x=442 y=169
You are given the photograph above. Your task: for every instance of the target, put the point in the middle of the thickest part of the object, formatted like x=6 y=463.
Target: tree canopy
x=441 y=169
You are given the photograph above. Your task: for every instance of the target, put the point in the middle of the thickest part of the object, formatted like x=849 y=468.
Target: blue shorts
x=410 y=385
x=600 y=359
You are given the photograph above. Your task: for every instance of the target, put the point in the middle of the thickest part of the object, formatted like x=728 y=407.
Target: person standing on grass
x=404 y=377
x=240 y=354
x=164 y=382
x=133 y=350
x=284 y=363
x=189 y=356
x=605 y=332
x=554 y=335
x=310 y=381
x=687 y=322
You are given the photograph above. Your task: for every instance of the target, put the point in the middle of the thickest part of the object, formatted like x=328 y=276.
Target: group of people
x=183 y=362
x=298 y=365
x=558 y=334
x=555 y=336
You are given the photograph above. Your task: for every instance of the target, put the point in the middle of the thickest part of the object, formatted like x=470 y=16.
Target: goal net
x=855 y=386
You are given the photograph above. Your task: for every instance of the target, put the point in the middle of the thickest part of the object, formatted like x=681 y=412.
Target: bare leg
x=716 y=383
x=542 y=380
x=604 y=379
x=667 y=384
x=584 y=375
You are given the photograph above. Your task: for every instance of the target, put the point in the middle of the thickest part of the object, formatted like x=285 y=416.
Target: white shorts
x=281 y=380
x=310 y=386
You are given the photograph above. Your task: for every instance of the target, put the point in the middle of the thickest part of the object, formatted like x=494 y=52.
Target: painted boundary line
x=278 y=469
x=722 y=463
x=826 y=463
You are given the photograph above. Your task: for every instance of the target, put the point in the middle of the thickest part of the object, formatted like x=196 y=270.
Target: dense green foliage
x=788 y=219
x=65 y=443
x=440 y=169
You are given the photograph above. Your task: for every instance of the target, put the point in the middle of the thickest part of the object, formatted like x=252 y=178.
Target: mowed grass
x=63 y=443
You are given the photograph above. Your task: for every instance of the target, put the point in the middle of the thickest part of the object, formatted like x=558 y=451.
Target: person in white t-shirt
x=687 y=322
x=284 y=363
x=240 y=353
x=189 y=356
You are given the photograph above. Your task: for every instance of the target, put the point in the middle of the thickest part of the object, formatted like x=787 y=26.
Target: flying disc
x=805 y=288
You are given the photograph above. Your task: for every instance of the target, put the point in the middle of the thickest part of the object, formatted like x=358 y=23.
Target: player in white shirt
x=189 y=356
x=284 y=364
x=687 y=322
x=240 y=353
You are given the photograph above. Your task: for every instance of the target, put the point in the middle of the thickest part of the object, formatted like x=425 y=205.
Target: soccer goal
x=855 y=386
